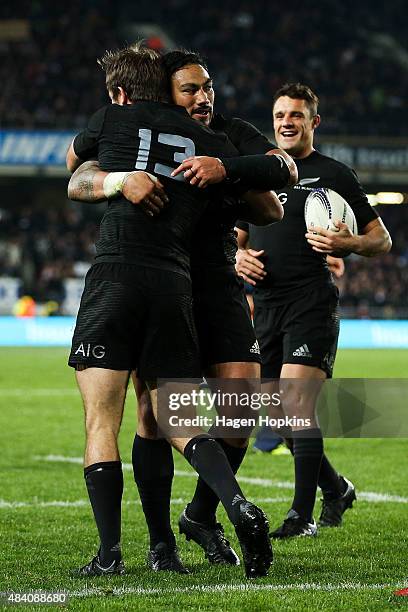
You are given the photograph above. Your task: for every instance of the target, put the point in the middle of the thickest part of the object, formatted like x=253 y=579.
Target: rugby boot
x=165 y=558
x=211 y=539
x=294 y=525
x=252 y=531
x=94 y=568
x=333 y=509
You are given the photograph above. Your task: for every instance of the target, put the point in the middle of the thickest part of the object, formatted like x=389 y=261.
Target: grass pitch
x=47 y=528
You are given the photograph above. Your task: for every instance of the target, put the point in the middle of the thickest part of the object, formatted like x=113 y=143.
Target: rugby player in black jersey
x=296 y=301
x=121 y=297
x=227 y=342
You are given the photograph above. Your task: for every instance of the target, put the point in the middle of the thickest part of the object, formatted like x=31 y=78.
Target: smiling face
x=294 y=126
x=191 y=87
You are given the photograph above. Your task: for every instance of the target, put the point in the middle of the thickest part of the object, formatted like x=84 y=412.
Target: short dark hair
x=297 y=91
x=138 y=70
x=177 y=59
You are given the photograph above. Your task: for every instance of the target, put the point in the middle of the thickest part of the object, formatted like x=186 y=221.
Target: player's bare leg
x=103 y=393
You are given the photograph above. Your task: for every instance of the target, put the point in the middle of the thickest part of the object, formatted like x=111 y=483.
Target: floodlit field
x=46 y=524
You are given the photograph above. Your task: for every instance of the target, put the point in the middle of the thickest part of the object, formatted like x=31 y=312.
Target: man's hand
x=248 y=265
x=91 y=184
x=142 y=190
x=336 y=265
x=339 y=243
x=201 y=171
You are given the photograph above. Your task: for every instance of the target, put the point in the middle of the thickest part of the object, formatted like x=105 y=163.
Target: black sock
x=210 y=462
x=308 y=452
x=289 y=442
x=153 y=470
x=104 y=482
x=203 y=506
x=330 y=482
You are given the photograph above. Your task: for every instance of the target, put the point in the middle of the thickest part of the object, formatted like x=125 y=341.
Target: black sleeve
x=263 y=172
x=86 y=142
x=247 y=138
x=352 y=191
x=242 y=225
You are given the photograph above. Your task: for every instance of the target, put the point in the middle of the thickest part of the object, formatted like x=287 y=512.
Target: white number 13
x=172 y=140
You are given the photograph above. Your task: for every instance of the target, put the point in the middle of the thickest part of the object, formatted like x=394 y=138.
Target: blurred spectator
x=378 y=287
x=43 y=247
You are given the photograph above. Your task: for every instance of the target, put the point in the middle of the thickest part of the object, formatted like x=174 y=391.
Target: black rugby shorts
x=134 y=317
x=304 y=331
x=223 y=320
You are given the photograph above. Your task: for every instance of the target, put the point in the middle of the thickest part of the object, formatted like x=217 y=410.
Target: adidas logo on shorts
x=302 y=351
x=255 y=348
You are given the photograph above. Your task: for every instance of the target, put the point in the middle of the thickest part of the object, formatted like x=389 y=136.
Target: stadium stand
x=359 y=72
x=50 y=81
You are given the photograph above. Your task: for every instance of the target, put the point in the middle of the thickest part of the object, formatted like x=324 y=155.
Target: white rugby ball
x=324 y=206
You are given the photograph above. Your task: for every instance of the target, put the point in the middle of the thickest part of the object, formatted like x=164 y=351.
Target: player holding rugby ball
x=296 y=301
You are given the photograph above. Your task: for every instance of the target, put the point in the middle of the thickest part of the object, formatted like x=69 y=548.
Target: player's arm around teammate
x=260 y=172
x=91 y=184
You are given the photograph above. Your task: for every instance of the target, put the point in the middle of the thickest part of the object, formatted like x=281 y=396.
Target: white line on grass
x=370 y=496
x=79 y=503
x=224 y=588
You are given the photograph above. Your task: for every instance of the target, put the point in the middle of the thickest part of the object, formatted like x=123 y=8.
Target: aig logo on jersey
x=88 y=350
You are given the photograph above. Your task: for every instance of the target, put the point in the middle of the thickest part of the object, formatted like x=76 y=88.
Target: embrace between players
x=163 y=300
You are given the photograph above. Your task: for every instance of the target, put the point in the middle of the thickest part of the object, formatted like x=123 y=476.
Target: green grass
x=41 y=414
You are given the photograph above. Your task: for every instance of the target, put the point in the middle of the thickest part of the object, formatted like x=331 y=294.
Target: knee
x=297 y=400
x=99 y=423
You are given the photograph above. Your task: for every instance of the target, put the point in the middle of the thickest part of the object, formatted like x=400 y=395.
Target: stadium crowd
x=45 y=246
x=50 y=81
x=354 y=69
x=378 y=287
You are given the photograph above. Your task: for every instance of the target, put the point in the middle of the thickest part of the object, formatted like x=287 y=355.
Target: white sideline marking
x=370 y=496
x=78 y=503
x=223 y=588
x=37 y=504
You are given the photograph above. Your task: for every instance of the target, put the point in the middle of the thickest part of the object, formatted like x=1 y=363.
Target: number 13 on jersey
x=172 y=141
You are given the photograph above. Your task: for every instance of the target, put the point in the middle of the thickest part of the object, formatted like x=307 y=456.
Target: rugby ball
x=324 y=206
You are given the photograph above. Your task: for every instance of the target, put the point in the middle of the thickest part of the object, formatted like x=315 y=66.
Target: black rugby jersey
x=155 y=137
x=290 y=262
x=215 y=243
